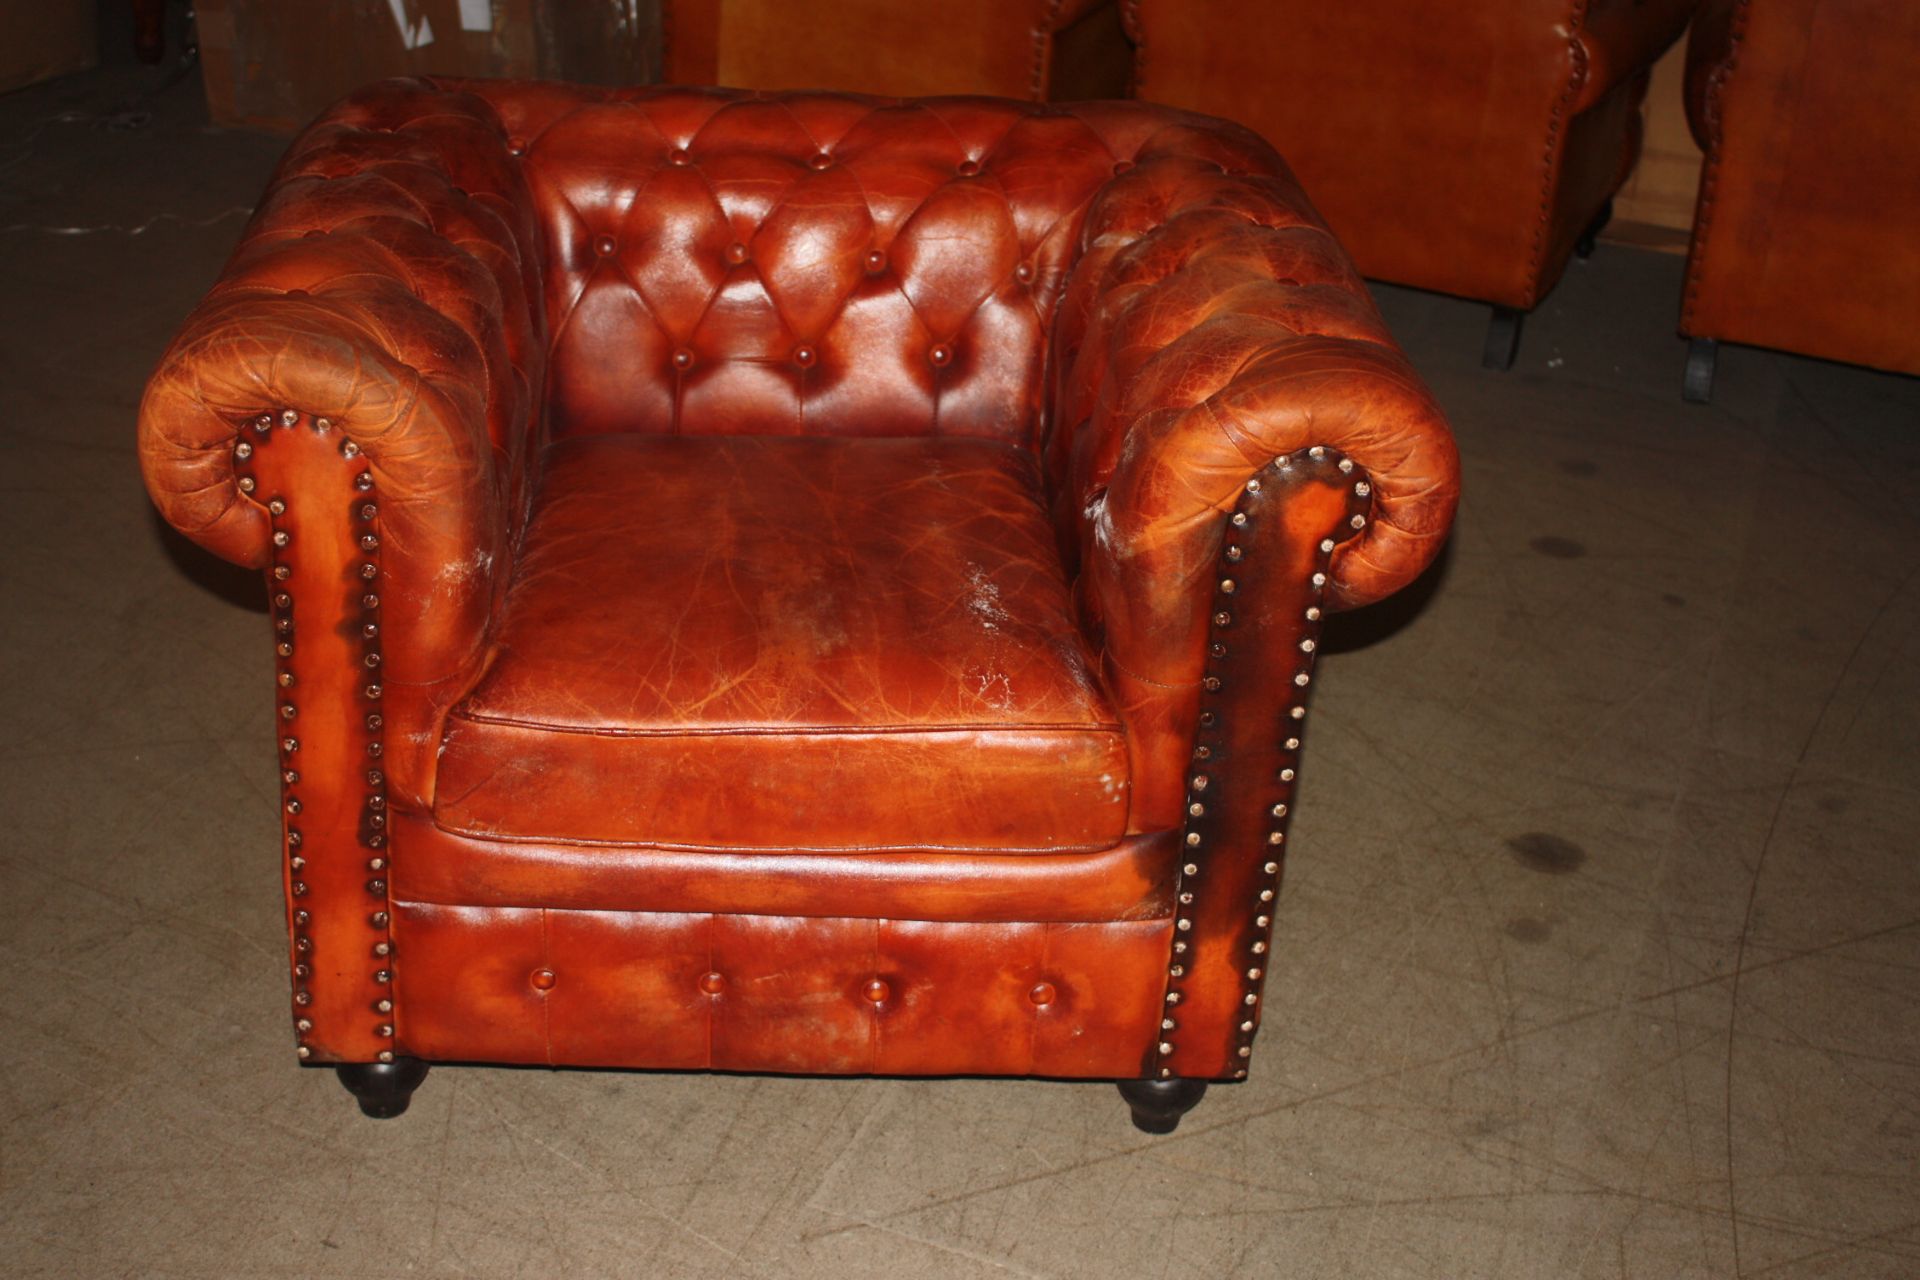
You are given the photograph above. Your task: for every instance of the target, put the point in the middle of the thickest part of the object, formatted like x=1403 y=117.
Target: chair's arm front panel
x=325 y=562
x=1269 y=593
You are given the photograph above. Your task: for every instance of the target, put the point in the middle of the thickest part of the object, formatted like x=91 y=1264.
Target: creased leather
x=383 y=284
x=764 y=641
x=1211 y=326
x=1143 y=294
x=840 y=418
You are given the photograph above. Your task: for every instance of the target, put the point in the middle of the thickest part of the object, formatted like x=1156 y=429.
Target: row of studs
x=373 y=815
x=1233 y=553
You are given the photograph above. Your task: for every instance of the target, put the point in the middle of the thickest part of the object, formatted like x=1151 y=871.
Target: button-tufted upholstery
x=775 y=581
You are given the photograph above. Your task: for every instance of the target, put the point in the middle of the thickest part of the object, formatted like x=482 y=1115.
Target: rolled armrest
x=1212 y=327
x=1619 y=39
x=381 y=296
x=1058 y=15
x=1711 y=51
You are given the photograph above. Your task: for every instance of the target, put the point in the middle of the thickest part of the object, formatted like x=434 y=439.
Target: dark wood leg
x=1590 y=238
x=1697 y=386
x=1503 y=338
x=383 y=1088
x=1158 y=1104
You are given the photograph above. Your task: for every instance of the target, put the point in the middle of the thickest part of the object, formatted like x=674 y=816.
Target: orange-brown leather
x=1461 y=148
x=739 y=992
x=385 y=285
x=1013 y=48
x=1805 y=233
x=876 y=346
x=780 y=642
x=1133 y=880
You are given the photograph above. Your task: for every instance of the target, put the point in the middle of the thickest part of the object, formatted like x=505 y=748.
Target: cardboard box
x=1654 y=210
x=41 y=39
x=275 y=64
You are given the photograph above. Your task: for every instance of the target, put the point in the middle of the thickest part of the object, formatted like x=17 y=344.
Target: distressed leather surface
x=850 y=350
x=770 y=642
x=384 y=284
x=1461 y=148
x=1133 y=880
x=1804 y=234
x=771 y=993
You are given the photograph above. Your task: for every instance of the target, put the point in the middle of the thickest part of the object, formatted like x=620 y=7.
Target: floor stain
x=1528 y=930
x=1558 y=548
x=1579 y=467
x=1541 y=851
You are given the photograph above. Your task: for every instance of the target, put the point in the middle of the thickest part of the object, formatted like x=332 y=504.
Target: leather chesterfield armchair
x=1467 y=148
x=1804 y=237
x=1038 y=49
x=798 y=584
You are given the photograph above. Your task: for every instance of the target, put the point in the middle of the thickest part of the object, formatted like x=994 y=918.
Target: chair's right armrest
x=1711 y=48
x=1620 y=39
x=384 y=295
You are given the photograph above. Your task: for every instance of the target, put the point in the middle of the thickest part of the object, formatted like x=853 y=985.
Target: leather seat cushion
x=788 y=643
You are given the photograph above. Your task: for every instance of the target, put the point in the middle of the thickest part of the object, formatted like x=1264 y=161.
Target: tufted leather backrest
x=808 y=263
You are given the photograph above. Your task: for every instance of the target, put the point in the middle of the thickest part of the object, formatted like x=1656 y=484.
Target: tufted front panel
x=808 y=263
x=831 y=996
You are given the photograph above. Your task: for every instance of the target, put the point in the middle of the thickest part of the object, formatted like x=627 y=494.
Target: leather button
x=736 y=253
x=1121 y=166
x=603 y=245
x=941 y=355
x=713 y=983
x=878 y=991
x=804 y=356
x=683 y=359
x=821 y=160
x=876 y=261
x=516 y=146
x=967 y=168
x=677 y=156
x=543 y=979
x=1042 y=993
x=1024 y=273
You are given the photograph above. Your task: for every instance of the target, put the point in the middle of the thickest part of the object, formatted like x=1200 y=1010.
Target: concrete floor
x=1596 y=954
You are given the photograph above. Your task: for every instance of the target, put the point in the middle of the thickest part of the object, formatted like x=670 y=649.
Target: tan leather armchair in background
x=1042 y=50
x=1465 y=146
x=1807 y=234
x=796 y=583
